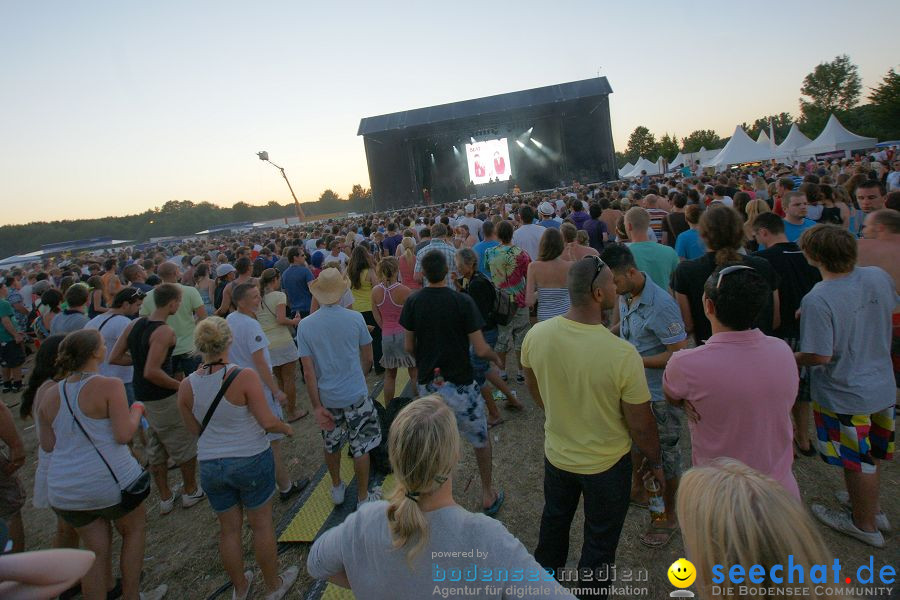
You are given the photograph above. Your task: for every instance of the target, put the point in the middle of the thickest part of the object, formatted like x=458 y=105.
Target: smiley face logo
x=682 y=573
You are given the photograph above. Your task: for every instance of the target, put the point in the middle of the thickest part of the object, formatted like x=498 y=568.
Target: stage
x=484 y=147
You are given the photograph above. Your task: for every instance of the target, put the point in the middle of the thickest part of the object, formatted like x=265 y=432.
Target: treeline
x=174 y=218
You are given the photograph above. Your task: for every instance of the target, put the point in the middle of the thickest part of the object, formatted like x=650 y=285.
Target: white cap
x=470 y=208
x=545 y=208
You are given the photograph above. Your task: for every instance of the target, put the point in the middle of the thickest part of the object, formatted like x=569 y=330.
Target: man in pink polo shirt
x=738 y=389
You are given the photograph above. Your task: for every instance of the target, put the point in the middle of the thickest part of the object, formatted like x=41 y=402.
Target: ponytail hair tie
x=414 y=496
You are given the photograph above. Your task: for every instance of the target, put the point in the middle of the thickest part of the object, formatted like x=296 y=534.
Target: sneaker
x=7 y=387
x=188 y=500
x=17 y=386
x=881 y=520
x=288 y=577
x=520 y=378
x=296 y=487
x=337 y=493
x=156 y=594
x=167 y=506
x=375 y=494
x=841 y=521
x=249 y=576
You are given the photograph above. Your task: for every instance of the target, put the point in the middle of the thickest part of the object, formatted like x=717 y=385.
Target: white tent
x=740 y=149
x=643 y=165
x=788 y=149
x=677 y=161
x=763 y=140
x=626 y=169
x=835 y=137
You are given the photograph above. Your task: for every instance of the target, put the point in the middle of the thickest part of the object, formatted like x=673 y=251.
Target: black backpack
x=380 y=461
x=505 y=306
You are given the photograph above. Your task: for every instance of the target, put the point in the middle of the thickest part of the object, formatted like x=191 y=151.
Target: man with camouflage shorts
x=336 y=352
x=649 y=319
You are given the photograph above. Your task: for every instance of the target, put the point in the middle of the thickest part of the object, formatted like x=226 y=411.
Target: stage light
x=455 y=150
x=432 y=157
x=519 y=142
x=473 y=140
x=537 y=143
x=530 y=129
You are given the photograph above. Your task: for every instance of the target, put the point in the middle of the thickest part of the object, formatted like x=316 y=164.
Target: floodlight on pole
x=263 y=155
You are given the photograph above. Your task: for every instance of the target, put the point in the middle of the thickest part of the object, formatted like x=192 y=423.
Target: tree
x=885 y=102
x=640 y=143
x=781 y=123
x=667 y=147
x=360 y=199
x=702 y=138
x=833 y=86
x=621 y=160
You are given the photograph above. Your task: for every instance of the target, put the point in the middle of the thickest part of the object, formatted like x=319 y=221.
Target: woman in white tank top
x=237 y=468
x=80 y=488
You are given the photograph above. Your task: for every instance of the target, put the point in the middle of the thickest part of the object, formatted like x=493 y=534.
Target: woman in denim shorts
x=237 y=470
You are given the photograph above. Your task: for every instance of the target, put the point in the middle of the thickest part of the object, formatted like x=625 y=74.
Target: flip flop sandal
x=495 y=423
x=669 y=533
x=298 y=417
x=494 y=508
x=808 y=452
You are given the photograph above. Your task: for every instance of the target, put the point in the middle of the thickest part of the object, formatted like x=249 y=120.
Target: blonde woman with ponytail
x=407 y=259
x=384 y=551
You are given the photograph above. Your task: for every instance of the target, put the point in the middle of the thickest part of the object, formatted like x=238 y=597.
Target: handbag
x=137 y=490
x=226 y=383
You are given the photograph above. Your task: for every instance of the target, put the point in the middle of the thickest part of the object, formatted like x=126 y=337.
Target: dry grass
x=182 y=551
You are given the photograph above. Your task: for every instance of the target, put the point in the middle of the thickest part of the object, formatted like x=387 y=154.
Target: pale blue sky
x=110 y=108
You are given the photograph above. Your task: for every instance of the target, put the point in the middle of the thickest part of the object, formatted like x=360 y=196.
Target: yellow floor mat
x=334 y=592
x=317 y=508
x=402 y=380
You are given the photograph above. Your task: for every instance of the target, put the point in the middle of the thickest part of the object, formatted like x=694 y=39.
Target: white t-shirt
x=311 y=245
x=528 y=238
x=473 y=224
x=248 y=338
x=341 y=257
x=111 y=328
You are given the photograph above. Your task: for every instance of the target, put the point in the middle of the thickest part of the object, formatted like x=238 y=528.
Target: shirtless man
x=880 y=245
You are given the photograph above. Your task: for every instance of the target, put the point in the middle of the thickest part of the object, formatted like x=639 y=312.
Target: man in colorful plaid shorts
x=845 y=337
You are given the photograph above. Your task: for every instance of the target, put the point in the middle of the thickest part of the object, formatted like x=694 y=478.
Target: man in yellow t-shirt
x=592 y=386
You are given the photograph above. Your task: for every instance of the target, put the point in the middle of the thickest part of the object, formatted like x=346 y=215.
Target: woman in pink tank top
x=387 y=302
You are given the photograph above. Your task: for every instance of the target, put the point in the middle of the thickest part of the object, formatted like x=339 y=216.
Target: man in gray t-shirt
x=845 y=337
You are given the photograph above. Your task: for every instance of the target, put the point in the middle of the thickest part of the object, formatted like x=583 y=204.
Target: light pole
x=263 y=155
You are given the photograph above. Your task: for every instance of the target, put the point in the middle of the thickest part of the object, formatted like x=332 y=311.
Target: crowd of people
x=754 y=311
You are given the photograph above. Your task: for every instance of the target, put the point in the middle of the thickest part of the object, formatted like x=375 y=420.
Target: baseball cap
x=224 y=269
x=470 y=208
x=196 y=261
x=545 y=208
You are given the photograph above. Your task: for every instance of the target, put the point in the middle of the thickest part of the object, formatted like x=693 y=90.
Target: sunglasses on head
x=598 y=262
x=728 y=271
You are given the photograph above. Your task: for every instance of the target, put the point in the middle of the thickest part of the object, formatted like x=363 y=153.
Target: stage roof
x=575 y=90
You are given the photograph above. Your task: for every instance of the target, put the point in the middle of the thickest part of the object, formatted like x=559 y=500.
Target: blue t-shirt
x=295 y=283
x=480 y=248
x=792 y=232
x=332 y=336
x=548 y=223
x=689 y=245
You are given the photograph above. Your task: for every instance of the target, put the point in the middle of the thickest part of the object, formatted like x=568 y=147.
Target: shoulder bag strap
x=103 y=324
x=226 y=383
x=77 y=422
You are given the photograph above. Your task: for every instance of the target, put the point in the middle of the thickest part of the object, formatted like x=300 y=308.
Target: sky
x=111 y=108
